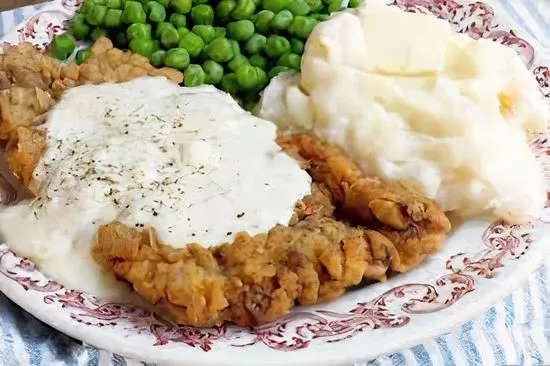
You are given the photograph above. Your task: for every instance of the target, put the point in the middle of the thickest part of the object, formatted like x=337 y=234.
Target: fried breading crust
x=254 y=280
x=415 y=224
x=24 y=150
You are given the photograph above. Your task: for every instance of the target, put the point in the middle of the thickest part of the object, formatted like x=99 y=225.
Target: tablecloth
x=515 y=331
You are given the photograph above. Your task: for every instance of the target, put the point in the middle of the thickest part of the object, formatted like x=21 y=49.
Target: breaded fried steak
x=254 y=280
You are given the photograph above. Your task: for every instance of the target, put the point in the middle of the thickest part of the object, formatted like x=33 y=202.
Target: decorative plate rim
x=328 y=332
x=170 y=356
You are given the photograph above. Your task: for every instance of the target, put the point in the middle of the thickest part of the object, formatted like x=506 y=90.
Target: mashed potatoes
x=410 y=100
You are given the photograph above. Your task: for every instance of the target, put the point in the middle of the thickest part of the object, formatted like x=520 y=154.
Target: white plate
x=481 y=263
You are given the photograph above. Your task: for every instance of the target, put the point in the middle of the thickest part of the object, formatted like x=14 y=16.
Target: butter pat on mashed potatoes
x=410 y=100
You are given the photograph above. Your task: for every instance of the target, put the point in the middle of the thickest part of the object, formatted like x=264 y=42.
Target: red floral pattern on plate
x=72 y=5
x=41 y=28
x=542 y=73
x=394 y=308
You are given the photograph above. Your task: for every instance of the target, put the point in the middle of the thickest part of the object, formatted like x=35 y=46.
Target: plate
x=480 y=263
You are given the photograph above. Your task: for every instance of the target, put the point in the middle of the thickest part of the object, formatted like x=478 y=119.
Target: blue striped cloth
x=515 y=331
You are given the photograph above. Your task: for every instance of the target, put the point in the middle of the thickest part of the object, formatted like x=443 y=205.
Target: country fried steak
x=351 y=229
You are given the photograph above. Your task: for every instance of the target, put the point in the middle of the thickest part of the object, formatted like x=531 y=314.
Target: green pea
x=138 y=31
x=181 y=6
x=161 y=27
x=121 y=41
x=183 y=31
x=177 y=58
x=78 y=28
x=257 y=2
x=255 y=43
x=79 y=18
x=219 y=32
x=114 y=4
x=213 y=71
x=229 y=84
x=258 y=61
x=155 y=11
x=302 y=26
x=206 y=32
x=249 y=77
x=290 y=60
x=320 y=17
x=164 y=3
x=275 y=5
x=98 y=2
x=263 y=80
x=202 y=14
x=276 y=46
x=192 y=43
x=235 y=47
x=277 y=70
x=158 y=57
x=243 y=9
x=170 y=38
x=224 y=9
x=86 y=7
x=237 y=62
x=96 y=15
x=263 y=19
x=193 y=76
x=142 y=46
x=354 y=3
x=298 y=7
x=240 y=30
x=156 y=45
x=178 y=20
x=281 y=20
x=82 y=56
x=133 y=13
x=314 y=5
x=62 y=46
x=113 y=18
x=297 y=45
x=333 y=5
x=220 y=50
x=97 y=33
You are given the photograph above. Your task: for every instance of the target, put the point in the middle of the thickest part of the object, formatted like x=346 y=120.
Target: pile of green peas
x=236 y=45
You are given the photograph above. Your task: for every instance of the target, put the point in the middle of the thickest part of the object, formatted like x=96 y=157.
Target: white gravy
x=187 y=161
